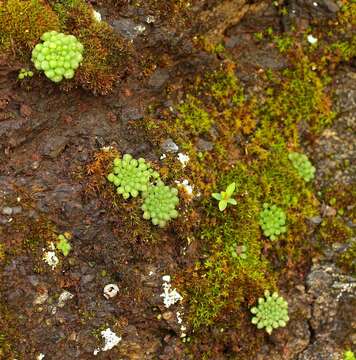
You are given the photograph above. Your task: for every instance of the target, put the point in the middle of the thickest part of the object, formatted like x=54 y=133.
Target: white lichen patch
x=96 y=15
x=140 y=28
x=110 y=340
x=186 y=186
x=170 y=296
x=50 y=256
x=150 y=19
x=64 y=297
x=312 y=40
x=183 y=159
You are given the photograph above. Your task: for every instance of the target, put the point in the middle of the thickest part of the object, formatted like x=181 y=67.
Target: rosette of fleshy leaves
x=272 y=221
x=131 y=176
x=58 y=56
x=303 y=166
x=271 y=312
x=160 y=203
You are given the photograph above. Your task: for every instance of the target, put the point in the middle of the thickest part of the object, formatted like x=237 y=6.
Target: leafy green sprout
x=131 y=176
x=24 y=73
x=272 y=221
x=271 y=312
x=224 y=197
x=63 y=243
x=238 y=251
x=58 y=56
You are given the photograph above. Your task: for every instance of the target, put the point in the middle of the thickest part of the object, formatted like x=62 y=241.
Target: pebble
x=169 y=146
x=7 y=210
x=110 y=291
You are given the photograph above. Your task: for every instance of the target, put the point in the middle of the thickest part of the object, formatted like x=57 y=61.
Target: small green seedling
x=238 y=251
x=225 y=197
x=24 y=73
x=63 y=244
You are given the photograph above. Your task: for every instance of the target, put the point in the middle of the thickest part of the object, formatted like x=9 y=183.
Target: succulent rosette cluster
x=58 y=56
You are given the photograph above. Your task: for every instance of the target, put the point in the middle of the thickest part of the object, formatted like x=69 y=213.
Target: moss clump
x=2 y=253
x=105 y=52
x=22 y=22
x=194 y=118
x=297 y=97
x=347 y=258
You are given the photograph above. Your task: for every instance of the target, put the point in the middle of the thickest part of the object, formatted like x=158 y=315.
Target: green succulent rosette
x=58 y=56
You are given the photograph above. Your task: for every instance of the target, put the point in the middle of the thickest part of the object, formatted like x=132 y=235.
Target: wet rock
x=7 y=210
x=158 y=78
x=204 y=145
x=333 y=312
x=330 y=5
x=54 y=146
x=25 y=111
x=86 y=279
x=127 y=28
x=131 y=113
x=41 y=298
x=316 y=220
x=169 y=146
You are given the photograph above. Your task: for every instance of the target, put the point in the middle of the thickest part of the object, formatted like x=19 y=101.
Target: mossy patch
x=22 y=23
x=105 y=53
x=252 y=137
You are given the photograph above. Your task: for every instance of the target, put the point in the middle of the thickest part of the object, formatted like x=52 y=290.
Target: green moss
x=224 y=282
x=2 y=253
x=22 y=23
x=298 y=97
x=194 y=118
x=334 y=230
x=105 y=53
x=347 y=258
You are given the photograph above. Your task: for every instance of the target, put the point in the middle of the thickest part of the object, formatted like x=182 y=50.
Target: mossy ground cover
x=251 y=136
x=105 y=54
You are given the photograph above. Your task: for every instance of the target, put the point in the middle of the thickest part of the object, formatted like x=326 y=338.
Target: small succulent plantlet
x=160 y=203
x=271 y=312
x=225 y=197
x=303 y=166
x=272 y=221
x=24 y=73
x=131 y=176
x=58 y=56
x=63 y=243
x=238 y=251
